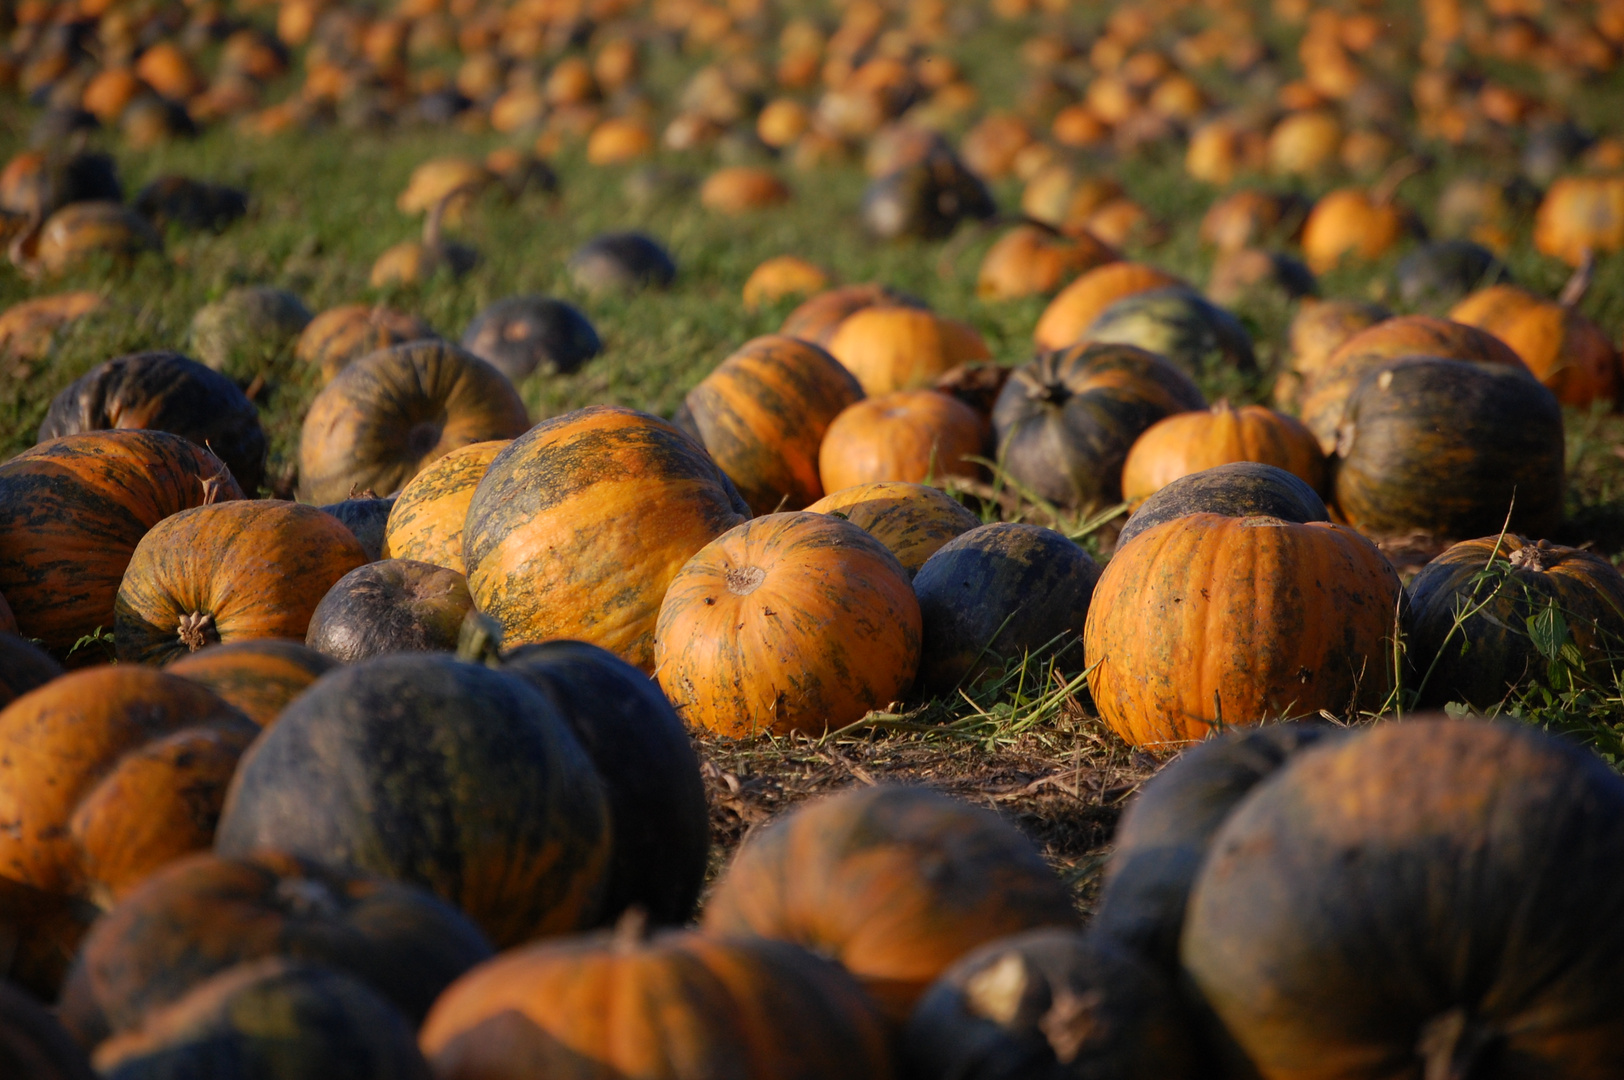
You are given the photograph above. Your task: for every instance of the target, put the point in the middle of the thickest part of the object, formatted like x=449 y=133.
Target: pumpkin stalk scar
x=744 y=580
x=193 y=629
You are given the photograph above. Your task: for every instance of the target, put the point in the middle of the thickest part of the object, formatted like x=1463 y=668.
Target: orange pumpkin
x=789 y=622
x=1189 y=442
x=619 y=139
x=781 y=276
x=258 y=677
x=340 y=335
x=1028 y=260
x=1566 y=351
x=912 y=520
x=902 y=348
x=911 y=435
x=1353 y=224
x=1080 y=303
x=739 y=189
x=817 y=319
x=425 y=522
x=28 y=329
x=1316 y=330
x=1580 y=214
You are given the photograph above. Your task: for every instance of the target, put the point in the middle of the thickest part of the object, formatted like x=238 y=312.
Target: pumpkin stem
x=194 y=628
x=1451 y=1046
x=631 y=930
x=1054 y=393
x=1531 y=556
x=1579 y=284
x=480 y=640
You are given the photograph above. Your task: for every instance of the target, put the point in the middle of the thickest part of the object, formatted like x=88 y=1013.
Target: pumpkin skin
x=203 y=915
x=1080 y=303
x=258 y=677
x=227 y=572
x=247 y=330
x=367 y=519
x=426 y=520
x=1444 y=271
x=110 y=773
x=622 y=262
x=33 y=1045
x=1580 y=214
x=337 y=337
x=272 y=1020
x=1491 y=654
x=1191 y=442
x=388 y=414
x=894 y=882
x=1178 y=324
x=925 y=199
x=781 y=276
x=789 y=622
x=85 y=229
x=72 y=511
x=1066 y=421
x=1434 y=896
x=24 y=666
x=1028 y=260
x=903 y=348
x=762 y=415
x=569 y=508
x=1351 y=224
x=424 y=769
x=1566 y=351
x=1318 y=328
x=1206 y=621
x=909 y=435
x=1442 y=447
x=165 y=391
x=28 y=329
x=817 y=319
x=912 y=520
x=681 y=1006
x=657 y=806
x=1238 y=489
x=524 y=334
x=1049 y=1005
x=996 y=592
x=394 y=605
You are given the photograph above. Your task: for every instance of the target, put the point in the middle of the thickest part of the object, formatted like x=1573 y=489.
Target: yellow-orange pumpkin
x=913 y=520
x=425 y=522
x=911 y=435
x=1565 y=350
x=903 y=348
x=1189 y=442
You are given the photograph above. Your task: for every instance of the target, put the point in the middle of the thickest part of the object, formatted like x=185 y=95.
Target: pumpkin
x=1304 y=143
x=367 y=519
x=1249 y=218
x=1580 y=214
x=996 y=594
x=1065 y=197
x=1050 y=1004
x=524 y=334
x=1438 y=896
x=621 y=262
x=82 y=230
x=425 y=523
x=657 y=808
x=818 y=318
x=434 y=180
x=911 y=436
x=190 y=204
x=245 y=331
x=579 y=525
x=1207 y=621
x=1178 y=324
x=1190 y=442
x=678 y=1006
x=164 y=391
x=1236 y=489
x=1565 y=350
x=1080 y=303
x=33 y=1044
x=258 y=677
x=387 y=415
x=1253 y=275
x=226 y=572
x=1444 y=271
x=37 y=183
x=789 y=622
x=394 y=605
x=618 y=140
x=28 y=329
x=913 y=521
x=1491 y=212
x=1028 y=260
x=781 y=276
x=894 y=882
x=1066 y=420
x=1316 y=331
x=24 y=666
x=1495 y=587
x=925 y=199
x=902 y=348
x=1355 y=225
x=72 y=511
x=271 y=1019
x=341 y=335
x=423 y=769
x=762 y=415
x=739 y=189
x=203 y=915
x=1446 y=448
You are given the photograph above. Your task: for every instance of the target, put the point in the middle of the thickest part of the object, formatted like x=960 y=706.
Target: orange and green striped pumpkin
x=259 y=676
x=426 y=521
x=912 y=520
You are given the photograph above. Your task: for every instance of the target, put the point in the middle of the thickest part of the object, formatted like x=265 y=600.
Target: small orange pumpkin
x=911 y=435
x=1565 y=350
x=258 y=676
x=1080 y=303
x=781 y=276
x=739 y=189
x=1189 y=442
x=902 y=348
x=913 y=520
x=1029 y=260
x=339 y=335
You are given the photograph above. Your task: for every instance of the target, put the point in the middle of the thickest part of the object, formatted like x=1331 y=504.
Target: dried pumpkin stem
x=193 y=629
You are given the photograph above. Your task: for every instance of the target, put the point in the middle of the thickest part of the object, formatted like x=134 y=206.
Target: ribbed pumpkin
x=1178 y=324
x=578 y=527
x=1565 y=350
x=912 y=520
x=424 y=769
x=680 y=1006
x=24 y=666
x=1080 y=303
x=72 y=511
x=908 y=435
x=1317 y=330
x=894 y=882
x=1066 y=421
x=80 y=231
x=1434 y=898
x=1208 y=621
x=258 y=677
x=1238 y=489
x=33 y=1045
x=388 y=414
x=1028 y=260
x=392 y=605
x=1190 y=442
x=817 y=319
x=426 y=520
x=338 y=336
x=789 y=622
x=227 y=572
x=903 y=348
x=762 y=415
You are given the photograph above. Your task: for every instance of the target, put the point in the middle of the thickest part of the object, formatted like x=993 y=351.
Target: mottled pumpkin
x=817 y=319
x=789 y=622
x=72 y=511
x=83 y=230
x=1190 y=442
x=388 y=414
x=426 y=520
x=28 y=329
x=520 y=335
x=339 y=336
x=1177 y=324
x=1566 y=351
x=259 y=677
x=1239 y=489
x=912 y=520
x=1080 y=303
x=894 y=882
x=424 y=769
x=1208 y=621
x=393 y=605
x=1433 y=898
x=33 y=1045
x=228 y=572
x=912 y=436
x=762 y=415
x=367 y=518
x=24 y=666
x=578 y=527
x=889 y=348
x=249 y=330
x=679 y=1006
x=1316 y=331
x=1029 y=260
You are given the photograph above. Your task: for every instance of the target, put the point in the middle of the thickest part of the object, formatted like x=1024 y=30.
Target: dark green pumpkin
x=1443 y=447
x=996 y=593
x=1435 y=275
x=1179 y=324
x=190 y=204
x=1066 y=420
x=428 y=770
x=1238 y=489
x=926 y=199
x=393 y=605
x=33 y=1045
x=367 y=518
x=246 y=331
x=23 y=666
x=622 y=262
x=524 y=334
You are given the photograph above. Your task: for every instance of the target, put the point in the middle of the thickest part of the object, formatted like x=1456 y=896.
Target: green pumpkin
x=1179 y=324
x=1237 y=489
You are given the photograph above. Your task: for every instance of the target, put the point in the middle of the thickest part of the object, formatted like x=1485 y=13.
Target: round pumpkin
x=339 y=336
x=72 y=511
x=817 y=319
x=788 y=622
x=393 y=605
x=912 y=520
x=426 y=520
x=424 y=769
x=1238 y=489
x=1191 y=442
x=1580 y=214
x=366 y=518
x=24 y=666
x=1566 y=351
x=1080 y=303
x=622 y=262
x=679 y=1006
x=781 y=276
x=739 y=189
x=83 y=230
x=32 y=1043
x=1179 y=325
x=1066 y=420
x=579 y=526
x=1318 y=328
x=1251 y=218
x=894 y=882
x=925 y=199
x=762 y=415
x=258 y=677
x=1028 y=260
x=902 y=348
x=1440 y=896
x=912 y=436
x=1355 y=225
x=387 y=415
x=245 y=331
x=37 y=183
x=525 y=334
x=28 y=329
x=1206 y=621
x=226 y=572
x=1442 y=272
